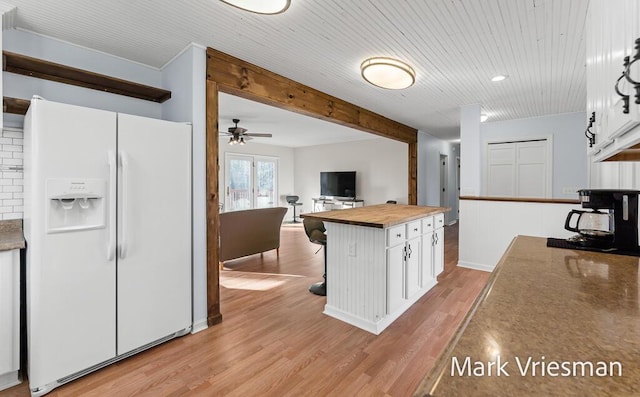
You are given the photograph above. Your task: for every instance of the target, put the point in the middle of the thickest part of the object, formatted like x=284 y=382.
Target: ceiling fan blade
x=258 y=135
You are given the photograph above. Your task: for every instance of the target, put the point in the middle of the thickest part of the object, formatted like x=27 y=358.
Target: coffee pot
x=595 y=227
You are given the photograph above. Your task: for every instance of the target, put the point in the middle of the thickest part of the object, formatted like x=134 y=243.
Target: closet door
x=501 y=169
x=519 y=169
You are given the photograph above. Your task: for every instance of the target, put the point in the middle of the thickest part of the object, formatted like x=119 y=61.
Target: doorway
x=444 y=185
x=250 y=182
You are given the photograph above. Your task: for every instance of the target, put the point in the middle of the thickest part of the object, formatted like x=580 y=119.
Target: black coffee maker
x=620 y=207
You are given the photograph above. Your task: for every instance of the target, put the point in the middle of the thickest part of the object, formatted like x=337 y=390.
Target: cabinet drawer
x=438 y=221
x=414 y=229
x=395 y=235
x=427 y=224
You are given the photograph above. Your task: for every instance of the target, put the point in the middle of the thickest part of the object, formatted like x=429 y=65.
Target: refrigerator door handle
x=124 y=163
x=113 y=173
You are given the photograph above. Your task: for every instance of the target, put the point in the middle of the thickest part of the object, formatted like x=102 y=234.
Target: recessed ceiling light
x=483 y=117
x=268 y=7
x=388 y=73
x=499 y=77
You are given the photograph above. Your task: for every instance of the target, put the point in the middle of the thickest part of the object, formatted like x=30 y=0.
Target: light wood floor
x=275 y=341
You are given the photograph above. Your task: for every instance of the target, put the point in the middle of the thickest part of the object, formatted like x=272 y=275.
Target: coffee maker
x=612 y=224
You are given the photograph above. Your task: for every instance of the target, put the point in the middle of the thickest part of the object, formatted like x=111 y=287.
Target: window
x=250 y=182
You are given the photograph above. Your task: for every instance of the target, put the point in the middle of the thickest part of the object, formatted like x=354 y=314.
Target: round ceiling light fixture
x=266 y=7
x=388 y=73
x=484 y=117
x=499 y=77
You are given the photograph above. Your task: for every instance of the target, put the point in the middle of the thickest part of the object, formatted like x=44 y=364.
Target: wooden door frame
x=237 y=77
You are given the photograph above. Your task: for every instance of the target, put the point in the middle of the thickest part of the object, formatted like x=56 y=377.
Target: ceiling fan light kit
x=265 y=7
x=388 y=73
x=238 y=135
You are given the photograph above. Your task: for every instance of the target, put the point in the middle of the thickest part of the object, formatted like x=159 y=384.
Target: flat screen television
x=338 y=184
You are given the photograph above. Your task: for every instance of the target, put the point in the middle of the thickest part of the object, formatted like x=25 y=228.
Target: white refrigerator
x=107 y=220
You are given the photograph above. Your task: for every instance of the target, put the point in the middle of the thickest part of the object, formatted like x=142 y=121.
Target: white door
x=519 y=169
x=154 y=240
x=427 y=274
x=239 y=177
x=250 y=182
x=395 y=264
x=438 y=251
x=501 y=170
x=71 y=281
x=531 y=173
x=412 y=268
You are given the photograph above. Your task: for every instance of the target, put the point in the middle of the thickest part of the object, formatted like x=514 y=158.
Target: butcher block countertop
x=379 y=216
x=557 y=322
x=11 y=236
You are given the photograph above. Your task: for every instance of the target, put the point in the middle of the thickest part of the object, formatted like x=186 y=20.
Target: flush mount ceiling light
x=483 y=117
x=267 y=7
x=499 y=77
x=388 y=73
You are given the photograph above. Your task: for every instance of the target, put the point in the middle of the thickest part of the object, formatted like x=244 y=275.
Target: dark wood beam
x=213 y=210
x=34 y=67
x=237 y=77
x=15 y=105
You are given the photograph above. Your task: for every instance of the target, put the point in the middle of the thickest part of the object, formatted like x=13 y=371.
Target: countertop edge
x=431 y=380
x=377 y=225
x=11 y=235
x=521 y=199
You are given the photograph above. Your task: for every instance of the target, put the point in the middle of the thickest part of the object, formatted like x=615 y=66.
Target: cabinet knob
x=415 y=229
x=398 y=235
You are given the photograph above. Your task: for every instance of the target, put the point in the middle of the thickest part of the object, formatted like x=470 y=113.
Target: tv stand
x=329 y=204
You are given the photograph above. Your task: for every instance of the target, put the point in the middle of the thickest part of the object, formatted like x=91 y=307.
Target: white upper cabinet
x=612 y=30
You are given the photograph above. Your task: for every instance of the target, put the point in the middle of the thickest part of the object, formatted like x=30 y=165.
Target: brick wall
x=11 y=176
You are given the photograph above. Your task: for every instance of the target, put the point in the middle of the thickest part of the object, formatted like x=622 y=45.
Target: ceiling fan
x=238 y=135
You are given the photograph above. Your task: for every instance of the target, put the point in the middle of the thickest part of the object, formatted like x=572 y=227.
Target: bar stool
x=293 y=201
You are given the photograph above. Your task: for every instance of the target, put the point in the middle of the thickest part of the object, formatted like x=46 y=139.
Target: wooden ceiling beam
x=243 y=79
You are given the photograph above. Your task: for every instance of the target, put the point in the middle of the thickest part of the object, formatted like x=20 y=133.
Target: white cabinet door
x=9 y=317
x=154 y=256
x=395 y=267
x=427 y=272
x=412 y=267
x=438 y=251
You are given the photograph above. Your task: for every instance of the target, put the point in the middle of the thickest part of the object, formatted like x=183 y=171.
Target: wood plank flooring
x=275 y=341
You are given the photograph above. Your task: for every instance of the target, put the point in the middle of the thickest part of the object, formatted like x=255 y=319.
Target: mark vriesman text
x=535 y=367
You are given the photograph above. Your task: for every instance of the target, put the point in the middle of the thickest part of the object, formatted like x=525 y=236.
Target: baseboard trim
x=199 y=326
x=476 y=266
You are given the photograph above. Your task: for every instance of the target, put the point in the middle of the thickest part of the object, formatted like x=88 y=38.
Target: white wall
x=488 y=227
x=569 y=154
x=470 y=177
x=42 y=47
x=429 y=150
x=286 y=166
x=185 y=76
x=380 y=165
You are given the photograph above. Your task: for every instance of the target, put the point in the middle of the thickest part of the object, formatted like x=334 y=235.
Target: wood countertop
x=378 y=216
x=566 y=310
x=11 y=236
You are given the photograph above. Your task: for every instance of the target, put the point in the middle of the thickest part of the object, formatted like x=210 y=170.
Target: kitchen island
x=550 y=322
x=380 y=260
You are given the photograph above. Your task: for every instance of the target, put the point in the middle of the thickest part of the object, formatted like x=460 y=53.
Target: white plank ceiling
x=455 y=46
